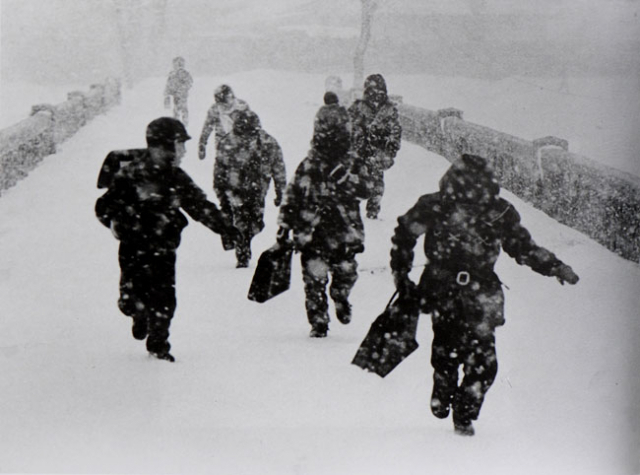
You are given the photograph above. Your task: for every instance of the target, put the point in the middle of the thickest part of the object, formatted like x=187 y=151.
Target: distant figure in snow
x=465 y=225
x=220 y=117
x=376 y=135
x=333 y=84
x=247 y=159
x=142 y=208
x=322 y=209
x=178 y=84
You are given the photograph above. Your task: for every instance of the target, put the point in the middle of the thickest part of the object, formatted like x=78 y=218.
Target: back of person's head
x=178 y=62
x=246 y=123
x=377 y=81
x=223 y=94
x=164 y=132
x=469 y=179
x=330 y=97
x=332 y=130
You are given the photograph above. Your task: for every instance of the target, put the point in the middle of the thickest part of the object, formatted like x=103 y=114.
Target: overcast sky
x=35 y=31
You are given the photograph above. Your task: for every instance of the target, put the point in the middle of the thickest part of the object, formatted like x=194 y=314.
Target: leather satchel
x=273 y=273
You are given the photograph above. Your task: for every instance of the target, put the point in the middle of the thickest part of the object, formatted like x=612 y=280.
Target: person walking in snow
x=322 y=209
x=247 y=159
x=220 y=117
x=177 y=88
x=465 y=226
x=142 y=208
x=376 y=135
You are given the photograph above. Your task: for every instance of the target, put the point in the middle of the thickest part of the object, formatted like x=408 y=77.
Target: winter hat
x=164 y=132
x=331 y=98
x=223 y=93
x=246 y=122
x=377 y=81
x=470 y=179
x=178 y=62
x=332 y=129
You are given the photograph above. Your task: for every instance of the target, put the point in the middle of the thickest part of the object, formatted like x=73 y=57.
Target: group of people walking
x=465 y=225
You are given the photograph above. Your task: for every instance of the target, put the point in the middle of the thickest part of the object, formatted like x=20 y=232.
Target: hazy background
x=63 y=41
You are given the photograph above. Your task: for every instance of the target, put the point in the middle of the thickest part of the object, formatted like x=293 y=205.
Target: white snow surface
x=250 y=392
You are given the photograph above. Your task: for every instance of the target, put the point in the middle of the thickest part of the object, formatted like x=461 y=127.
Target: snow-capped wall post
x=26 y=143
x=23 y=145
x=600 y=201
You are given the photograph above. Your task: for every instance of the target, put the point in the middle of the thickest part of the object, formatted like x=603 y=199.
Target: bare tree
x=368 y=9
x=140 y=32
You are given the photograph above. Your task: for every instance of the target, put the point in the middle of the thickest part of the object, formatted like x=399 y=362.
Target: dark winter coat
x=244 y=167
x=376 y=130
x=178 y=84
x=322 y=204
x=465 y=224
x=143 y=202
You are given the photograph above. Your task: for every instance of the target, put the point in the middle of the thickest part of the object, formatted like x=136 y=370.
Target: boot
x=462 y=426
x=319 y=331
x=439 y=408
x=140 y=328
x=343 y=311
x=163 y=356
x=242 y=263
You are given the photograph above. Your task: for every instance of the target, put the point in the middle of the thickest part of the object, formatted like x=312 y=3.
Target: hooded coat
x=466 y=224
x=247 y=160
x=322 y=203
x=376 y=133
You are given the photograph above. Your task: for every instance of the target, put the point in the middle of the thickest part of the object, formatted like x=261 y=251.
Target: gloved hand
x=564 y=273
x=230 y=238
x=278 y=200
x=202 y=151
x=405 y=286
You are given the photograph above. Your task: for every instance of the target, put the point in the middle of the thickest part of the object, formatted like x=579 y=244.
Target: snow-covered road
x=250 y=393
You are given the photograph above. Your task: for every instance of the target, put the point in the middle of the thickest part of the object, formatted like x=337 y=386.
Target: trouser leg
x=480 y=370
x=344 y=274
x=249 y=220
x=445 y=360
x=315 y=275
x=373 y=203
x=129 y=301
x=180 y=111
x=161 y=295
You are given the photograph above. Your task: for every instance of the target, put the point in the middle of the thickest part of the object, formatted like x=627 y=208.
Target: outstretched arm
x=519 y=244
x=194 y=201
x=209 y=124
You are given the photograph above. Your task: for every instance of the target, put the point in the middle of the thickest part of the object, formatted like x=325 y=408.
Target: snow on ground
x=250 y=393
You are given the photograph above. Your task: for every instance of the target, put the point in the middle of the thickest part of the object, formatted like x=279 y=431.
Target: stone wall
x=600 y=201
x=25 y=144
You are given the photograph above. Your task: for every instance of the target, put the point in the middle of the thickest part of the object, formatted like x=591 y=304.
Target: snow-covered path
x=250 y=393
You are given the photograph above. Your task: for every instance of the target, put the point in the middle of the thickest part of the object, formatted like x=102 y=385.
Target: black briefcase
x=391 y=337
x=273 y=273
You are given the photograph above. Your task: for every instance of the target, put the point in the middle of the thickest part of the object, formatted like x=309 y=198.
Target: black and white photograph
x=320 y=237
